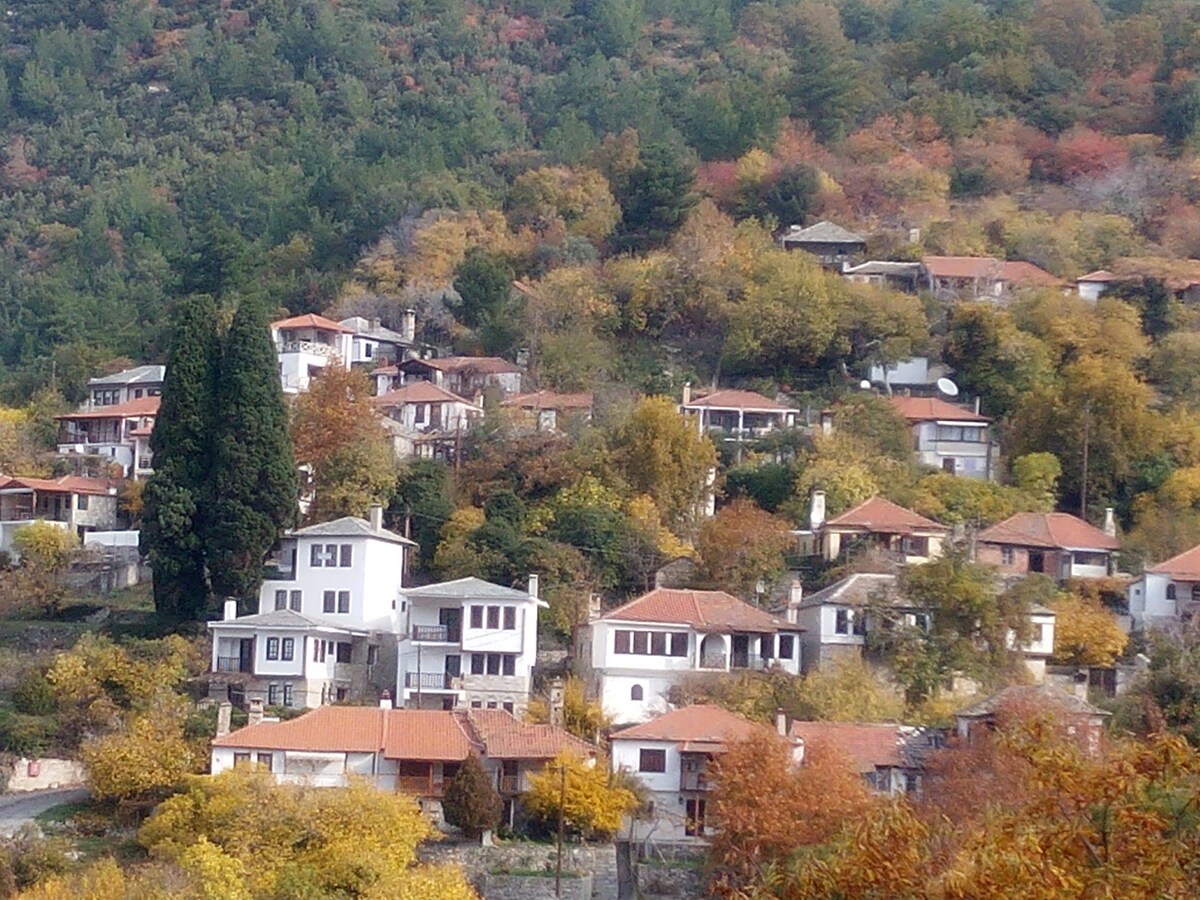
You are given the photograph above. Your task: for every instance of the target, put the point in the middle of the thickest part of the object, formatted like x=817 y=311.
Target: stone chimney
x=780 y=723
x=385 y=700
x=687 y=393
x=533 y=586
x=408 y=326
x=1110 y=522
x=372 y=325
x=795 y=596
x=256 y=712
x=816 y=510
x=224 y=717
x=376 y=518
x=230 y=610
x=594 y=609
x=556 y=702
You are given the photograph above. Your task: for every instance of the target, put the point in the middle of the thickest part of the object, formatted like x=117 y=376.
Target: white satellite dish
x=947 y=387
x=865 y=385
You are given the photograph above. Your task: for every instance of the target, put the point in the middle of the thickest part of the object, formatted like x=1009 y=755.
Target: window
x=786 y=646
x=264 y=761
x=492 y=704
x=368 y=350
x=510 y=618
x=346 y=555
x=696 y=811
x=81 y=501
x=288 y=649
x=493 y=617
x=476 y=616
x=859 y=625
x=476 y=704
x=652 y=761
x=343 y=652
x=272 y=695
x=641 y=643
x=658 y=643
x=317 y=651
x=324 y=649
x=621 y=642
x=914 y=546
x=372 y=655
x=841 y=623
x=1038 y=634
x=315 y=557
x=343 y=601
x=281 y=599
x=921 y=620
x=288 y=698
x=1007 y=556
x=1085 y=558
x=1196 y=593
x=295 y=601
x=241 y=760
x=493 y=663
x=477 y=661
x=679 y=644
x=330 y=602
x=507 y=706
x=966 y=434
x=419 y=411
x=635 y=692
x=509 y=664
x=1171 y=593
x=273 y=648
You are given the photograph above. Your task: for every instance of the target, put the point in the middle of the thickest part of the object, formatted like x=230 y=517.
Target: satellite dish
x=947 y=387
x=865 y=385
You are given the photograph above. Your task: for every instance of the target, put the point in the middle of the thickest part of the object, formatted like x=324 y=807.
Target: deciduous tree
x=1085 y=633
x=742 y=548
x=592 y=804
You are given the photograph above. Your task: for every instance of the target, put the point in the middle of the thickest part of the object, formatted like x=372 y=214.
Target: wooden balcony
x=420 y=785
x=509 y=784
x=695 y=781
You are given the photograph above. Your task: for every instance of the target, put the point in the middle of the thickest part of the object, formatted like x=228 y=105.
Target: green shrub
x=28 y=736
x=34 y=858
x=34 y=695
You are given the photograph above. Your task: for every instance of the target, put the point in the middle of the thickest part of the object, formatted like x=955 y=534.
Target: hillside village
x=599 y=449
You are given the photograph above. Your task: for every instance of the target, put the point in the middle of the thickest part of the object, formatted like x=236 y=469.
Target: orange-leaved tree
x=742 y=546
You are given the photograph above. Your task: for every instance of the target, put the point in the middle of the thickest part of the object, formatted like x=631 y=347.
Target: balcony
x=713 y=661
x=430 y=681
x=695 y=781
x=232 y=664
x=314 y=348
x=755 y=663
x=509 y=784
x=419 y=785
x=438 y=634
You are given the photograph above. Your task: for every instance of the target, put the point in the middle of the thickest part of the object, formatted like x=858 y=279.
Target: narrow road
x=17 y=809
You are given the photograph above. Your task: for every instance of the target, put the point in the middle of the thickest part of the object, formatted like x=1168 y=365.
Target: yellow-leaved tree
x=147 y=759
x=38 y=584
x=1085 y=633
x=592 y=804
x=582 y=717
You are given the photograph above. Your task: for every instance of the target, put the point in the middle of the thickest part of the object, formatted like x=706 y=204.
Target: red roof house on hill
x=1057 y=544
x=886 y=525
x=948 y=437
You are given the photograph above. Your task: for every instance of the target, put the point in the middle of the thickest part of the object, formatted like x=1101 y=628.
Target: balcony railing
x=232 y=664
x=509 y=784
x=713 y=661
x=420 y=785
x=439 y=633
x=695 y=781
x=315 y=348
x=429 y=681
x=753 y=662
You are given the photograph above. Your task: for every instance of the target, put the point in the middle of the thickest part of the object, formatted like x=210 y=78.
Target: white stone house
x=371 y=344
x=306 y=345
x=636 y=653
x=116 y=435
x=430 y=421
x=949 y=437
x=73 y=503
x=466 y=376
x=126 y=385
x=1167 y=594
x=328 y=618
x=468 y=643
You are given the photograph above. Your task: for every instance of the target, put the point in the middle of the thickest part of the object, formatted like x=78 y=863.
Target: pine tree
x=471 y=802
x=254 y=484
x=176 y=495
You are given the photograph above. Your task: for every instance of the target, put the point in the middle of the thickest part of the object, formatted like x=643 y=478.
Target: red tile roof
x=1052 y=530
x=417 y=392
x=1183 y=567
x=142 y=406
x=698 y=725
x=866 y=745
x=703 y=610
x=68 y=484
x=311 y=320
x=549 y=400
x=335 y=729
x=962 y=266
x=480 y=365
x=881 y=515
x=733 y=399
x=933 y=409
x=426 y=734
x=1100 y=276
x=1026 y=274
x=506 y=737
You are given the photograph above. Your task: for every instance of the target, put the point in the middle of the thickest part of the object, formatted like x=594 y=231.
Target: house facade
x=889 y=757
x=466 y=376
x=636 y=653
x=549 y=410
x=113 y=436
x=1092 y=286
x=1079 y=720
x=74 y=503
x=373 y=345
x=416 y=752
x=735 y=416
x=1167 y=595
x=672 y=755
x=327 y=622
x=124 y=386
x=1056 y=544
x=430 y=420
x=306 y=345
x=982 y=277
x=878 y=524
x=468 y=643
x=896 y=276
x=950 y=438
x=832 y=245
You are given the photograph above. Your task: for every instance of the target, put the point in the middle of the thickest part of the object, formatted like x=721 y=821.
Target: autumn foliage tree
x=593 y=805
x=1085 y=633
x=742 y=547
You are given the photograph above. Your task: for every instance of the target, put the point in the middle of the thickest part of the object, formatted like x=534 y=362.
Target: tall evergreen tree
x=254 y=484
x=175 y=498
x=655 y=198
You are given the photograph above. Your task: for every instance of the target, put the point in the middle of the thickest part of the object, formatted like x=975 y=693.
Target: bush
x=33 y=858
x=471 y=801
x=28 y=736
x=34 y=695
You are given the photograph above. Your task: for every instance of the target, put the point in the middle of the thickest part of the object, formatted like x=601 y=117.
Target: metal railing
x=232 y=664
x=713 y=661
x=442 y=633
x=316 y=348
x=421 y=785
x=429 y=681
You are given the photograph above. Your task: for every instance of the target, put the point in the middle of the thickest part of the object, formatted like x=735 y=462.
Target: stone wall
x=51 y=773
x=675 y=879
x=483 y=863
x=533 y=887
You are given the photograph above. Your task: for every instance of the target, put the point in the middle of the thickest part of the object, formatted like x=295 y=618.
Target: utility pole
x=1087 y=427
x=562 y=802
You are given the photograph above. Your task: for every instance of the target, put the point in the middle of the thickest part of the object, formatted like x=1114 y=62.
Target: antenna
x=947 y=387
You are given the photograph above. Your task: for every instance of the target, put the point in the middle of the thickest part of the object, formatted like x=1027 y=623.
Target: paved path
x=17 y=809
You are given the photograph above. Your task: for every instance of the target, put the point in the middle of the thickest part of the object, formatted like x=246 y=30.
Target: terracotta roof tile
x=1100 y=276
x=734 y=399
x=417 y=392
x=73 y=484
x=311 y=320
x=866 y=745
x=507 y=737
x=704 y=610
x=142 y=406
x=1052 y=530
x=1039 y=694
x=345 y=729
x=882 y=515
x=933 y=409
x=962 y=266
x=704 y=724
x=480 y=365
x=426 y=734
x=1026 y=274
x=1183 y=567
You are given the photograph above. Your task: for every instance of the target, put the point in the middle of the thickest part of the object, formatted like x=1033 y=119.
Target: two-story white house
x=328 y=618
x=876 y=524
x=1167 y=594
x=111 y=436
x=949 y=437
x=468 y=643
x=638 y=652
x=429 y=421
x=306 y=345
x=373 y=345
x=672 y=755
x=126 y=385
x=466 y=376
x=74 y=503
x=735 y=416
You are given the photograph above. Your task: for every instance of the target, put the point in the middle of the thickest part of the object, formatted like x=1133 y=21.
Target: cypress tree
x=254 y=486
x=175 y=495
x=471 y=801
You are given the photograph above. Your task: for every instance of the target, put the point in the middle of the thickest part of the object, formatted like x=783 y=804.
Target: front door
x=694 y=827
x=741 y=651
x=451 y=618
x=1037 y=561
x=246 y=655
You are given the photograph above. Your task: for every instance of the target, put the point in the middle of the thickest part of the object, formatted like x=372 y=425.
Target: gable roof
x=962 y=266
x=1026 y=274
x=470 y=588
x=1052 y=530
x=1100 y=276
x=867 y=745
x=882 y=515
x=823 y=233
x=549 y=400
x=419 y=392
x=1040 y=694
x=857 y=589
x=425 y=734
x=286 y=619
x=136 y=375
x=933 y=409
x=735 y=399
x=480 y=365
x=507 y=737
x=312 y=320
x=1184 y=566
x=350 y=526
x=363 y=327
x=67 y=484
x=703 y=610
x=704 y=727
x=142 y=406
x=346 y=729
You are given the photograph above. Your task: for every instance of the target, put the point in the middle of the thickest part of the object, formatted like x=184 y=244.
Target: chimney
x=1110 y=522
x=372 y=325
x=224 y=717
x=408 y=326
x=376 y=517
x=533 y=586
x=826 y=421
x=976 y=406
x=687 y=393
x=556 y=702
x=780 y=723
x=230 y=612
x=914 y=235
x=816 y=510
x=593 y=607
x=385 y=700
x=795 y=596
x=256 y=712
